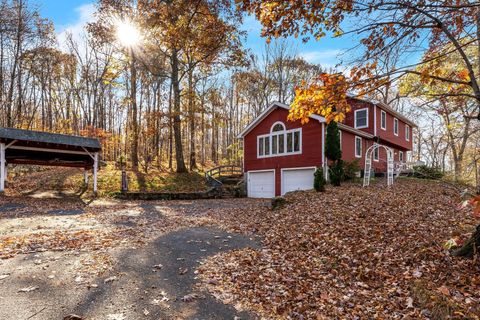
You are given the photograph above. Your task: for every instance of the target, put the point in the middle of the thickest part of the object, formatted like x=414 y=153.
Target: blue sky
x=72 y=15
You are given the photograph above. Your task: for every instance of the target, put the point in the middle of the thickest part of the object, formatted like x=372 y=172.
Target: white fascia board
x=265 y=113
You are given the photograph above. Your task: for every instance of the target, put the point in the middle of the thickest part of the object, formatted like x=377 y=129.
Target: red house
x=281 y=155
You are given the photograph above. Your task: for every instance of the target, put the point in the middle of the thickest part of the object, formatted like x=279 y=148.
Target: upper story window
x=279 y=142
x=383 y=120
x=395 y=126
x=358 y=147
x=361 y=118
x=407 y=132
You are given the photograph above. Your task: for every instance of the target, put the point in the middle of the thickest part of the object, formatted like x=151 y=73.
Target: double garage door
x=261 y=184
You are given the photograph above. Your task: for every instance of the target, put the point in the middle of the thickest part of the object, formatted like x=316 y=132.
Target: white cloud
x=328 y=57
x=85 y=14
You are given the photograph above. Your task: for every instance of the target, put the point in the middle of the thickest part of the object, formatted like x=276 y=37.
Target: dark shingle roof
x=47 y=137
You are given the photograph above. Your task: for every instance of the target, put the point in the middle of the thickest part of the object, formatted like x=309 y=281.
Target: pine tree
x=332 y=144
x=334 y=153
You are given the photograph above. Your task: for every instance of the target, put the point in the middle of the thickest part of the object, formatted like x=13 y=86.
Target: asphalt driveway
x=149 y=274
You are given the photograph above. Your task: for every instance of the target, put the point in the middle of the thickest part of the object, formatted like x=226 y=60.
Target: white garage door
x=297 y=179
x=261 y=184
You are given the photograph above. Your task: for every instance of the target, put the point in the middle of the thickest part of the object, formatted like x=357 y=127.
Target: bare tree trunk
x=170 y=129
x=177 y=129
x=191 y=111
x=133 y=102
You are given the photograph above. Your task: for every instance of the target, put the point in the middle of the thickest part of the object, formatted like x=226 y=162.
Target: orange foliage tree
x=326 y=96
x=384 y=28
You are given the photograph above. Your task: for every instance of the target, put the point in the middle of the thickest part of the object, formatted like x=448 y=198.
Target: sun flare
x=127 y=33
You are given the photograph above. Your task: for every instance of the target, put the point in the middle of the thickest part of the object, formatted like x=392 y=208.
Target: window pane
x=274 y=144
x=296 y=141
x=395 y=126
x=278 y=127
x=267 y=146
x=384 y=120
x=260 y=146
x=281 y=143
x=375 y=154
x=361 y=118
x=289 y=142
x=358 y=147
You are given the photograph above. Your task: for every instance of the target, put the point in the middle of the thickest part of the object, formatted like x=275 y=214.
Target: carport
x=18 y=146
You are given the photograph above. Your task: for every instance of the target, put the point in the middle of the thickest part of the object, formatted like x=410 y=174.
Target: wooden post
x=2 y=167
x=95 y=169
x=85 y=176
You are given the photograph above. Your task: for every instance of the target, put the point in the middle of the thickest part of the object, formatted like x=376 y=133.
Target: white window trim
x=378 y=153
x=356 y=154
x=381 y=117
x=285 y=153
x=395 y=120
x=407 y=132
x=278 y=122
x=355 y=119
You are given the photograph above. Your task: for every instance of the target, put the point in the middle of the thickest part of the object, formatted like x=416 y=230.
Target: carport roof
x=48 y=139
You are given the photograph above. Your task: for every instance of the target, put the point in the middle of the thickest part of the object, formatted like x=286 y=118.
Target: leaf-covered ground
x=351 y=253
x=69 y=181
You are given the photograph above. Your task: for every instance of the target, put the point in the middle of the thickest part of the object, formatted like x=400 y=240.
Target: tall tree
x=382 y=27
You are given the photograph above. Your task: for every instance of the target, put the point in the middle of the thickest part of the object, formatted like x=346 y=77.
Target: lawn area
x=70 y=180
x=352 y=253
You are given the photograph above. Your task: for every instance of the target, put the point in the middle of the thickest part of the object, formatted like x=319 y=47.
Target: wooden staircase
x=225 y=178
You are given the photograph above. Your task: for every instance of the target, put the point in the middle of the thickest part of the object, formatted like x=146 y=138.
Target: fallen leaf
x=28 y=289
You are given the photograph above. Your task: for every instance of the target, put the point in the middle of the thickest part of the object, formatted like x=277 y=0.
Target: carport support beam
x=95 y=169
x=3 y=171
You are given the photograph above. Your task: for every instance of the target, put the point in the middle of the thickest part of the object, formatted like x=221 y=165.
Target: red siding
x=311 y=155
x=388 y=136
x=357 y=105
x=311 y=146
x=348 y=152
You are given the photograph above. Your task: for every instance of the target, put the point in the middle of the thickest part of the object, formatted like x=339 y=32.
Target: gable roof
x=10 y=134
x=266 y=112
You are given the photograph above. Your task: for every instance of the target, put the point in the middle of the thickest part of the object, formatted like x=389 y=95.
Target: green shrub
x=336 y=173
x=319 y=181
x=426 y=172
x=278 y=203
x=350 y=169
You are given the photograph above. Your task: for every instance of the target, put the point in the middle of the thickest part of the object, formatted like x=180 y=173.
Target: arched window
x=278 y=126
x=278 y=138
x=279 y=141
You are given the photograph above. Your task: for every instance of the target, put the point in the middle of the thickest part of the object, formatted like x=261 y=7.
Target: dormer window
x=361 y=118
x=279 y=142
